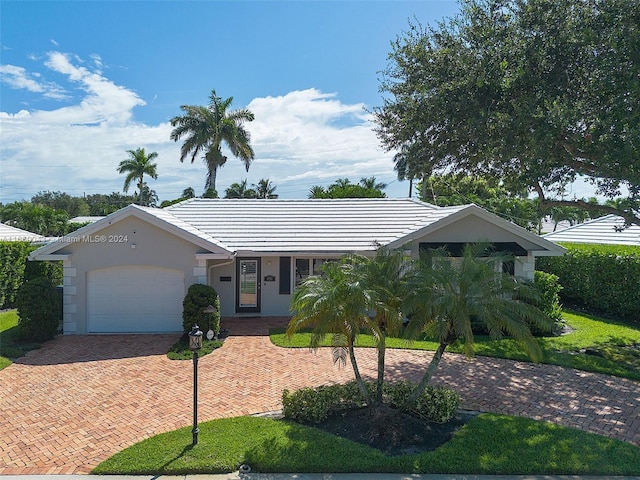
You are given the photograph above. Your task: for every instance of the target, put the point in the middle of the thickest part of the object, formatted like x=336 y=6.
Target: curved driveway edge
x=80 y=399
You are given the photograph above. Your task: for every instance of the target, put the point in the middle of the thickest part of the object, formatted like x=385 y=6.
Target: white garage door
x=134 y=300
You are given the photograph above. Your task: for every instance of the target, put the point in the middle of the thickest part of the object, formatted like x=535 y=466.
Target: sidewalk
x=313 y=476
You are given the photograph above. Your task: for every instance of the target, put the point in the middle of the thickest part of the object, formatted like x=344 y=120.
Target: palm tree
x=136 y=167
x=239 y=190
x=317 y=191
x=447 y=297
x=370 y=182
x=265 y=189
x=355 y=293
x=207 y=128
x=332 y=304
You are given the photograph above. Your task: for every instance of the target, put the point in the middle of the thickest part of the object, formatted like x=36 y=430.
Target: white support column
x=69 y=298
x=200 y=271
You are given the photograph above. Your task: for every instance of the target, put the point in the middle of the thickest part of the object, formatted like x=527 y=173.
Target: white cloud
x=300 y=139
x=19 y=78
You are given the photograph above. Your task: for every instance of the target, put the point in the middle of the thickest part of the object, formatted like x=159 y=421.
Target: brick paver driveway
x=78 y=400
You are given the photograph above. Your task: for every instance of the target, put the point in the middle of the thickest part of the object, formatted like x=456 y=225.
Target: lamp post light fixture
x=195 y=344
x=210 y=310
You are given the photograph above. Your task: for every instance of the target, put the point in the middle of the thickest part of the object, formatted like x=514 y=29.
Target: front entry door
x=248 y=286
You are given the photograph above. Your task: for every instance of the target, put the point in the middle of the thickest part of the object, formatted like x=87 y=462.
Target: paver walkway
x=80 y=399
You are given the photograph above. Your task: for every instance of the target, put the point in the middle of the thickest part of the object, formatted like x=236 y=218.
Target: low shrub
x=436 y=404
x=39 y=310
x=197 y=299
x=549 y=288
x=315 y=405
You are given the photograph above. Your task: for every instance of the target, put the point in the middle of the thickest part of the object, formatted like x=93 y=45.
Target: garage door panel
x=136 y=299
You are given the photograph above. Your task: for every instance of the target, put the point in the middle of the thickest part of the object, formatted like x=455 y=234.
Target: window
x=306 y=267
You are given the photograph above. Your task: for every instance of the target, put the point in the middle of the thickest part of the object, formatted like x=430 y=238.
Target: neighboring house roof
x=86 y=219
x=305 y=226
x=606 y=230
x=13 y=234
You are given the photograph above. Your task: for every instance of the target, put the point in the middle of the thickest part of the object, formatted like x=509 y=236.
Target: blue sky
x=82 y=82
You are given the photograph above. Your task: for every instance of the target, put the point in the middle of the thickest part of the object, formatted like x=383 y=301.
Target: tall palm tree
x=448 y=296
x=265 y=189
x=136 y=167
x=205 y=130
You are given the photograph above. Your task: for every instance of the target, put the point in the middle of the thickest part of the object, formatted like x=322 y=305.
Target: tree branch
x=629 y=216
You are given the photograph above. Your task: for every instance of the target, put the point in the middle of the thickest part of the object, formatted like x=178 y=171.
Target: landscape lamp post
x=195 y=344
x=210 y=310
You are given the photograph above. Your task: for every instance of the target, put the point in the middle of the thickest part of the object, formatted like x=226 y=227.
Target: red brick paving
x=80 y=399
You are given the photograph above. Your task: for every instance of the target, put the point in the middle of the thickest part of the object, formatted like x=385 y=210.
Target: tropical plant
x=240 y=190
x=265 y=189
x=383 y=294
x=136 y=167
x=447 y=296
x=357 y=293
x=188 y=193
x=332 y=303
x=207 y=128
x=372 y=183
x=343 y=188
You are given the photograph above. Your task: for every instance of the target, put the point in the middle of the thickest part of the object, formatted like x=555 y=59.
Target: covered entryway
x=134 y=299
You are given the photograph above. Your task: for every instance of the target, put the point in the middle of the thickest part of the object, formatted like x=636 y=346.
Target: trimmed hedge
x=15 y=269
x=13 y=258
x=600 y=278
x=314 y=405
x=198 y=298
x=39 y=310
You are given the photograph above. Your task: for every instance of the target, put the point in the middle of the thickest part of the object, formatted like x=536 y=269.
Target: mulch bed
x=392 y=431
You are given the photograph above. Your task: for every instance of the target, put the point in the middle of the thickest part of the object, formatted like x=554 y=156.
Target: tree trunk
x=433 y=365
x=140 y=191
x=380 y=381
x=361 y=386
x=211 y=178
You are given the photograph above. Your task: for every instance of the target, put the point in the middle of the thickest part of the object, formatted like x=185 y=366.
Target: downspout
x=211 y=267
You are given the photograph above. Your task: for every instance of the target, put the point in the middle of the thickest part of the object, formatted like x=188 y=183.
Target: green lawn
x=10 y=347
x=609 y=343
x=489 y=444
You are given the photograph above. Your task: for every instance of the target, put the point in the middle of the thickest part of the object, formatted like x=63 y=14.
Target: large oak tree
x=537 y=93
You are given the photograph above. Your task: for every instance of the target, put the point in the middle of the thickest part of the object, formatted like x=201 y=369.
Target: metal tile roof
x=13 y=234
x=338 y=225
x=605 y=230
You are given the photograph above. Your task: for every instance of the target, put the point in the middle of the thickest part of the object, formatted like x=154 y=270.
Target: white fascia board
x=214 y=256
x=54 y=256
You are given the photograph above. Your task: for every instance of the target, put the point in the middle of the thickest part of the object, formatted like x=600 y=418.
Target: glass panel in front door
x=248 y=283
